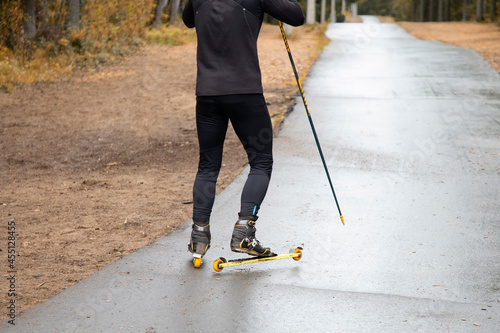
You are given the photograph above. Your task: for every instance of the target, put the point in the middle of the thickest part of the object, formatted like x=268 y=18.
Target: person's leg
x=253 y=127
x=211 y=126
x=252 y=123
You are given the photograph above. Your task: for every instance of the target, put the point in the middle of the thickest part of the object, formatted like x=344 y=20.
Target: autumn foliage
x=107 y=30
x=112 y=26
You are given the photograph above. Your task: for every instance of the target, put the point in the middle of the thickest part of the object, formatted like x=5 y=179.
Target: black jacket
x=227 y=32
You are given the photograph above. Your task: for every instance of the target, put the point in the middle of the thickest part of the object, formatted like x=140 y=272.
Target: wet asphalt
x=410 y=130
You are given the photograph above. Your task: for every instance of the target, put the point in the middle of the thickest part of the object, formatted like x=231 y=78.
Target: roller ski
x=244 y=241
x=200 y=242
x=219 y=264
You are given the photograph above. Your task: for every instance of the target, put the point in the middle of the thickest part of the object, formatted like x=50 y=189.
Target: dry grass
x=482 y=37
x=109 y=31
x=170 y=35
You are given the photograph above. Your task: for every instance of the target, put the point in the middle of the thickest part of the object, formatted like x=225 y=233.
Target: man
x=229 y=88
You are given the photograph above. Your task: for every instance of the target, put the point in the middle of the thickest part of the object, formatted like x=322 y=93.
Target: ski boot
x=244 y=241
x=200 y=241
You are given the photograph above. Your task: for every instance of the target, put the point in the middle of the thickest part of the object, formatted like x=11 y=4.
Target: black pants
x=251 y=121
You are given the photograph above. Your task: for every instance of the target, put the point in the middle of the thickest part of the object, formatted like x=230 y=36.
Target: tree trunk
x=431 y=10
x=29 y=19
x=174 y=8
x=45 y=14
x=82 y=8
x=354 y=9
x=493 y=10
x=421 y=11
x=74 y=14
x=479 y=10
x=311 y=12
x=414 y=10
x=159 y=10
x=323 y=11
x=333 y=12
x=447 y=10
x=464 y=11
x=440 y=11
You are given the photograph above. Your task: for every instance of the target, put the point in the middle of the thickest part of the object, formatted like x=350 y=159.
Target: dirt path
x=97 y=166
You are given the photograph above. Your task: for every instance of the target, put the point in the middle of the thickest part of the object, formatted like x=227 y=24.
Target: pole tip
x=342 y=219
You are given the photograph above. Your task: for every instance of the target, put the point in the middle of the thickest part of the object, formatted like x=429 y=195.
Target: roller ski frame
x=219 y=264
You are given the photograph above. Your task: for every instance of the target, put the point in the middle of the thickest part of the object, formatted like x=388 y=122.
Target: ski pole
x=310 y=118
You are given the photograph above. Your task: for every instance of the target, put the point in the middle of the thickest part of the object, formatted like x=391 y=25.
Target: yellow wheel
x=298 y=250
x=197 y=262
x=216 y=266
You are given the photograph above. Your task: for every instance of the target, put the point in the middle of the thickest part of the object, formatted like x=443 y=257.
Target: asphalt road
x=411 y=133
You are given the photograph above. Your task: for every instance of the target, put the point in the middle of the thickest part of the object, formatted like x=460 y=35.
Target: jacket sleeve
x=188 y=15
x=287 y=11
